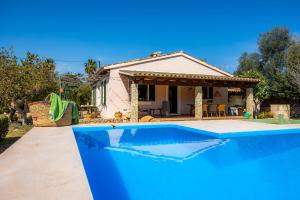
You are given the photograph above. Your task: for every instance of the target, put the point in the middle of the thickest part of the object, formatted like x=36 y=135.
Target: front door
x=173 y=99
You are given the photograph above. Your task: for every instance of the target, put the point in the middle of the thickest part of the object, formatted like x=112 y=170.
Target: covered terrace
x=196 y=83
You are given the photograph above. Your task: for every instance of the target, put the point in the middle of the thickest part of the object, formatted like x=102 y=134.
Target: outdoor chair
x=205 y=109
x=153 y=111
x=232 y=111
x=165 y=108
x=143 y=111
x=212 y=109
x=221 y=109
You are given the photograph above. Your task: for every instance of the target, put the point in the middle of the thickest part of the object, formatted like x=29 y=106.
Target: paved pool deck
x=46 y=164
x=225 y=126
x=43 y=164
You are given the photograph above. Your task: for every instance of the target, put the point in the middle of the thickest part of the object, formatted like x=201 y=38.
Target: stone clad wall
x=249 y=101
x=283 y=109
x=198 y=102
x=134 y=111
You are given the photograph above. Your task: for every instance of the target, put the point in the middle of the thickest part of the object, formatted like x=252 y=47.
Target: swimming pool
x=174 y=162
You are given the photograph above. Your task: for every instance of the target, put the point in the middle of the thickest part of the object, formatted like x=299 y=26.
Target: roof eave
x=187 y=76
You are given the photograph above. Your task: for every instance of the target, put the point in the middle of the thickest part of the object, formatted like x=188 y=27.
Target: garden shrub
x=264 y=115
x=4 y=124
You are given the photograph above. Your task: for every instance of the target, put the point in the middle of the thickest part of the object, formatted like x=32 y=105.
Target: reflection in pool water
x=138 y=163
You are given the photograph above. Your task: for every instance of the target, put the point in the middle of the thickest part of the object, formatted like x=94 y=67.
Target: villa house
x=172 y=84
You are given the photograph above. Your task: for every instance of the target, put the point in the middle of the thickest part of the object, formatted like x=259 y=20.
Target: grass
x=15 y=132
x=275 y=121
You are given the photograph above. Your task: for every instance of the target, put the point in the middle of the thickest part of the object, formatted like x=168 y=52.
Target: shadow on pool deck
x=103 y=175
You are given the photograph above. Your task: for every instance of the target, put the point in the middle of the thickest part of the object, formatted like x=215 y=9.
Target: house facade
x=175 y=84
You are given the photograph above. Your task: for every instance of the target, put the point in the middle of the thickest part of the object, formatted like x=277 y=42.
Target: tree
x=90 y=67
x=293 y=64
x=273 y=46
x=82 y=94
x=9 y=73
x=271 y=62
x=31 y=80
x=73 y=80
x=260 y=91
x=248 y=62
x=38 y=77
x=274 y=43
x=80 y=91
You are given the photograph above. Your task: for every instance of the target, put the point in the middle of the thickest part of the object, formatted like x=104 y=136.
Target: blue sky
x=112 y=31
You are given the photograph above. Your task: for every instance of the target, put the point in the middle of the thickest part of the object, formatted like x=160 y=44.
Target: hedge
x=4 y=124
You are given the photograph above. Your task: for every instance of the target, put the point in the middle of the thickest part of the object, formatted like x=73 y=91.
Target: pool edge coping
x=275 y=131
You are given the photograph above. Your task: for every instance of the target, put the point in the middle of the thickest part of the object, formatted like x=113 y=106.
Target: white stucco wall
x=187 y=96
x=98 y=97
x=177 y=64
x=117 y=98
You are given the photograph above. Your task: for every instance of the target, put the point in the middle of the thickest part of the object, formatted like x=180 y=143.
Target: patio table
x=192 y=108
x=89 y=108
x=152 y=111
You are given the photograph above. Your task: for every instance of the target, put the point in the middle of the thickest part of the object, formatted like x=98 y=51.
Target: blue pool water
x=169 y=162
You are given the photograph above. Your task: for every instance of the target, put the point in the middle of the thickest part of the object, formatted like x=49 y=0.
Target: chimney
x=155 y=54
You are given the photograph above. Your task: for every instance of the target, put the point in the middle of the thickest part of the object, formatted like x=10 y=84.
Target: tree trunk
x=12 y=112
x=25 y=111
x=18 y=109
x=256 y=111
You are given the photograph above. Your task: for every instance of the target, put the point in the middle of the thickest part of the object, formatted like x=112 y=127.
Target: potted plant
x=118 y=114
x=87 y=116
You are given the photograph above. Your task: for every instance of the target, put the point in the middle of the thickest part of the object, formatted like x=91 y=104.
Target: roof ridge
x=145 y=58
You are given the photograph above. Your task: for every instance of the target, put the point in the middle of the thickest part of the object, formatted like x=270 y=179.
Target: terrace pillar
x=198 y=102
x=134 y=102
x=249 y=101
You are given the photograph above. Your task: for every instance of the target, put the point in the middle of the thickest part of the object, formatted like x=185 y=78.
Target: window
x=103 y=93
x=151 y=92
x=146 y=92
x=208 y=92
x=94 y=96
x=143 y=91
